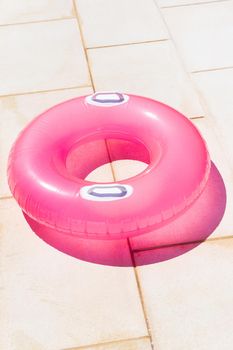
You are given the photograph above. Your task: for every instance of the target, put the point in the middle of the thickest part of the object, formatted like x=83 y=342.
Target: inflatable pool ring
x=55 y=152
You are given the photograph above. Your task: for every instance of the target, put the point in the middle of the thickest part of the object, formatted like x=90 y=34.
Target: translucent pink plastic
x=55 y=152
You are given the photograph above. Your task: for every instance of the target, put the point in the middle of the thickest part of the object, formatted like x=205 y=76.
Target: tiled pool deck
x=179 y=52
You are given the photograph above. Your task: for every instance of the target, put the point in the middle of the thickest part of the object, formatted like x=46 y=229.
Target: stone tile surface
x=150 y=69
x=216 y=87
x=41 y=56
x=109 y=22
x=52 y=301
x=12 y=11
x=203 y=44
x=102 y=173
x=127 y=168
x=188 y=298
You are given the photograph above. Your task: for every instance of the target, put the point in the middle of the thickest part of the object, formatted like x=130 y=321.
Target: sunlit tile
x=24 y=11
x=46 y=293
x=109 y=22
x=203 y=34
x=41 y=56
x=188 y=298
x=127 y=168
x=151 y=70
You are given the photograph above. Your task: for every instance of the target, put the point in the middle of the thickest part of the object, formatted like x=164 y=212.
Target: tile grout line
x=110 y=160
x=44 y=91
x=194 y=4
x=38 y=21
x=126 y=44
x=140 y=294
x=198 y=117
x=6 y=197
x=182 y=244
x=106 y=343
x=211 y=69
x=78 y=19
x=180 y=59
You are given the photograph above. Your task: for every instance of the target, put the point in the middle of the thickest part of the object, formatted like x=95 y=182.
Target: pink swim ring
x=55 y=152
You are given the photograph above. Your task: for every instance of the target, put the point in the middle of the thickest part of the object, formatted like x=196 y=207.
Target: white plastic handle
x=106 y=192
x=107 y=99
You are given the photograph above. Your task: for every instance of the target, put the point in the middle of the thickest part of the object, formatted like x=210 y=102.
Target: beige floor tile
x=216 y=88
x=151 y=70
x=102 y=173
x=126 y=168
x=41 y=56
x=188 y=299
x=203 y=34
x=17 y=111
x=168 y=3
x=24 y=11
x=52 y=301
x=132 y=344
x=109 y=22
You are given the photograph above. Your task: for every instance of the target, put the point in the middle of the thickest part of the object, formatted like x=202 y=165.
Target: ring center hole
x=107 y=160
